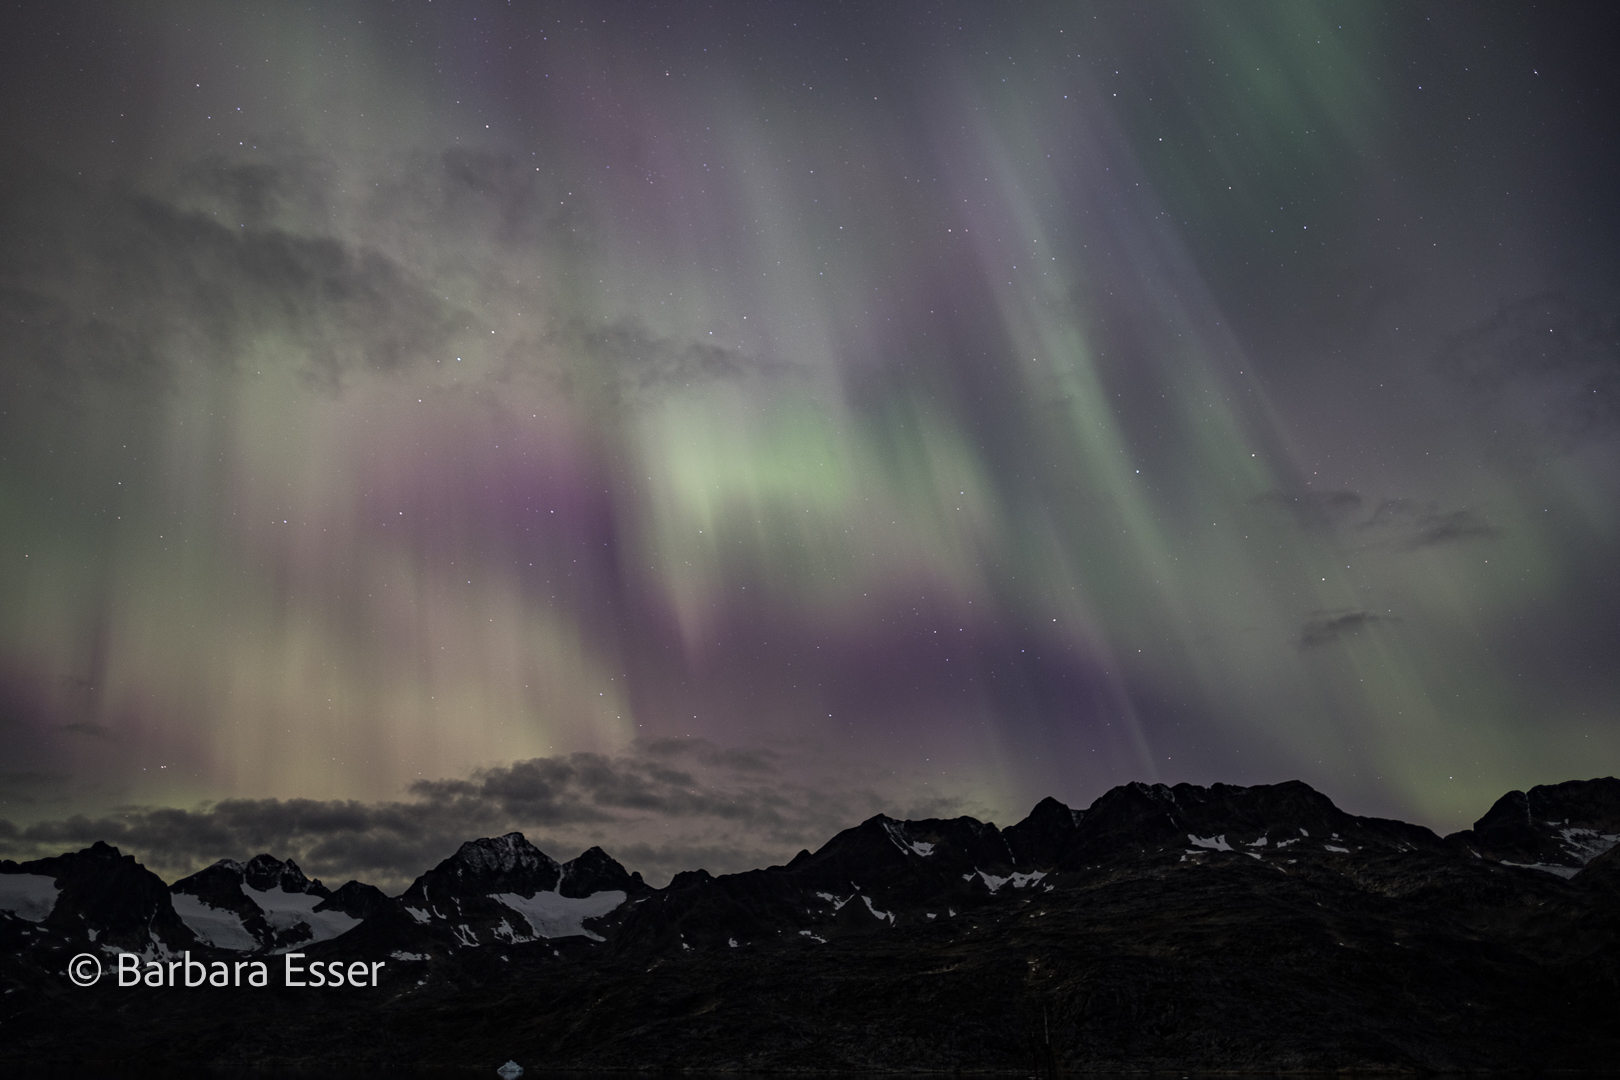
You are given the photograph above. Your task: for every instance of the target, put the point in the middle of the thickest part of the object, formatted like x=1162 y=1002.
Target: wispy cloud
x=1405 y=524
x=630 y=363
x=1414 y=525
x=1326 y=627
x=122 y=287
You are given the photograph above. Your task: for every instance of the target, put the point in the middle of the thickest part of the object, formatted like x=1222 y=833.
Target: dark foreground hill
x=1218 y=928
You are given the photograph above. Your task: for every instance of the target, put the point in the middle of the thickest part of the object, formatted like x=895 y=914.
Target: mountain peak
x=266 y=873
x=1555 y=827
x=500 y=855
x=1045 y=835
x=595 y=871
x=484 y=867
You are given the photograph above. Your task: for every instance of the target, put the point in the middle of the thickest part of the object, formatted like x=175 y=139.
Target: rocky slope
x=1182 y=927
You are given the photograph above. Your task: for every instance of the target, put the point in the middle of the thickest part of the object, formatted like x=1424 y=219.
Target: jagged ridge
x=1509 y=915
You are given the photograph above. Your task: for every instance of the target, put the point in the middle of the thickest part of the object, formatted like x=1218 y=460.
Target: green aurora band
x=1014 y=406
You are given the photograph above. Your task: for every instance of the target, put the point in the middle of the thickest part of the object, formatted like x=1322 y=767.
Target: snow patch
x=1588 y=844
x=1547 y=868
x=897 y=833
x=812 y=937
x=880 y=914
x=220 y=928
x=287 y=910
x=1256 y=843
x=837 y=904
x=419 y=915
x=1335 y=847
x=552 y=915
x=1017 y=880
x=28 y=896
x=400 y=954
x=1213 y=843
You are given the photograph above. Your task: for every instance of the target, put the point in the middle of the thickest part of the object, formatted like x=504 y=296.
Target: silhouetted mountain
x=880 y=874
x=1558 y=828
x=502 y=864
x=1231 y=928
x=506 y=890
x=1260 y=821
x=357 y=900
x=266 y=903
x=593 y=872
x=1602 y=872
x=1043 y=838
x=96 y=896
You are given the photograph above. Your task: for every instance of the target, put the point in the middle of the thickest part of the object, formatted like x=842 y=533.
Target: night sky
x=693 y=428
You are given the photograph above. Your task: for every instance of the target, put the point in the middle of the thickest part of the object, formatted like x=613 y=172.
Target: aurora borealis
x=695 y=428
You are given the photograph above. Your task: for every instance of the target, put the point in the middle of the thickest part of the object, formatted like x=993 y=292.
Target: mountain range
x=1185 y=927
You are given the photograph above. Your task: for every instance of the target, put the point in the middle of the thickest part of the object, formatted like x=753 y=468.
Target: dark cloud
x=282 y=183
x=1545 y=359
x=1326 y=627
x=253 y=190
x=1405 y=523
x=668 y=805
x=122 y=287
x=477 y=200
x=1420 y=525
x=69 y=345
x=1452 y=526
x=632 y=363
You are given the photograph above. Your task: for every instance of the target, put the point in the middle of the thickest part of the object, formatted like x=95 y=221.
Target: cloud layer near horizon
x=669 y=805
